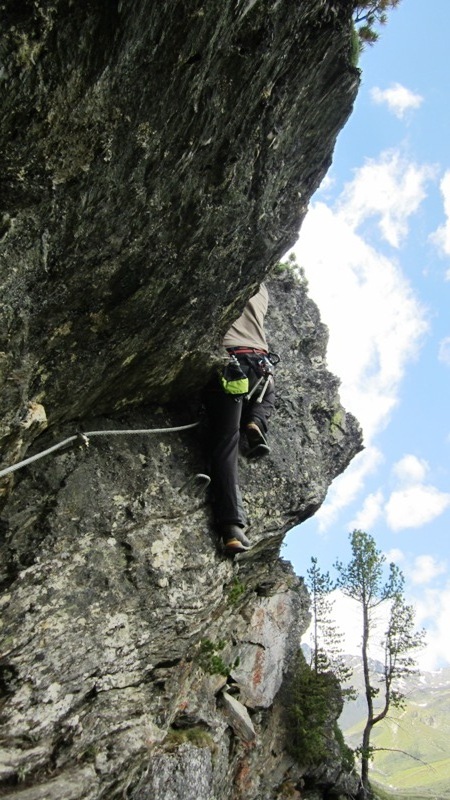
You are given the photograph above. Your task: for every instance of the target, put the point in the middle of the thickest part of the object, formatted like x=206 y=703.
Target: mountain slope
x=414 y=741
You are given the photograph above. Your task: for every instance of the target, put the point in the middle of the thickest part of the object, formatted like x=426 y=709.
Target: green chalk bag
x=233 y=379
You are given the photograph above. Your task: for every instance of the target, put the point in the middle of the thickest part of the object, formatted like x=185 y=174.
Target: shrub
x=210 y=660
x=310 y=705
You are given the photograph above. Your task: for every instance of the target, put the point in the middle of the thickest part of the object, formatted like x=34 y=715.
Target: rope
x=85 y=436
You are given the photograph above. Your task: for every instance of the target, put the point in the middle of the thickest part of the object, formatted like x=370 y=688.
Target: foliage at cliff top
x=369 y=14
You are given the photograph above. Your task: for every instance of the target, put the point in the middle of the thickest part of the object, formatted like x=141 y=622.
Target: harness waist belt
x=247 y=350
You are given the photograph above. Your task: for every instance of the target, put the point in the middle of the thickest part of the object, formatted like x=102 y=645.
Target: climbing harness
x=260 y=362
x=84 y=436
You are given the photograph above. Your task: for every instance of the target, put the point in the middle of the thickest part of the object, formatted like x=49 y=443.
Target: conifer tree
x=326 y=638
x=368 y=14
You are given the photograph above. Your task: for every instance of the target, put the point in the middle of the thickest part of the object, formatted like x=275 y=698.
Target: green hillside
x=381 y=793
x=416 y=750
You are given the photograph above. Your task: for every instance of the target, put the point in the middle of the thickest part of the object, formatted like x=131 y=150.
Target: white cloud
x=371 y=511
x=376 y=323
x=347 y=616
x=346 y=487
x=444 y=351
x=394 y=556
x=391 y=188
x=441 y=237
x=432 y=609
x=425 y=568
x=410 y=469
x=413 y=503
x=327 y=183
x=398 y=98
x=351 y=283
x=415 y=506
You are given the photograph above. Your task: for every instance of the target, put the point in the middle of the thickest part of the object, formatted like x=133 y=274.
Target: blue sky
x=375 y=247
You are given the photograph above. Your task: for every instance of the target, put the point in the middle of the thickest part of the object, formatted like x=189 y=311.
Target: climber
x=242 y=397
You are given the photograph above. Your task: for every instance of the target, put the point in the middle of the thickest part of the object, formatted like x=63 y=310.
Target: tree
x=363 y=579
x=326 y=638
x=369 y=13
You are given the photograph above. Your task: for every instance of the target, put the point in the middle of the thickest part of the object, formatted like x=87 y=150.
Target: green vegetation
x=356 y=47
x=236 y=591
x=326 y=639
x=348 y=755
x=315 y=693
x=382 y=794
x=286 y=266
x=415 y=746
x=196 y=736
x=313 y=696
x=367 y=15
x=210 y=660
x=291 y=266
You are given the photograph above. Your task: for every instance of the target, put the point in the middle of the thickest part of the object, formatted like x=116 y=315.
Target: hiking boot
x=256 y=440
x=234 y=540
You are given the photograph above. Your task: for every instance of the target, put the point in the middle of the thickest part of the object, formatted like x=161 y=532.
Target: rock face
x=157 y=158
x=121 y=618
x=157 y=161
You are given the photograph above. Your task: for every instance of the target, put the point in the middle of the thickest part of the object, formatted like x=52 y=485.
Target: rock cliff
x=157 y=160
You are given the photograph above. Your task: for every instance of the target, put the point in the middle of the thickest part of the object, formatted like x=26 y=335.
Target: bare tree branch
x=405 y=753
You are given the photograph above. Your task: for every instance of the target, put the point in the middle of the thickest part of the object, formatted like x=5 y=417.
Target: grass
x=196 y=736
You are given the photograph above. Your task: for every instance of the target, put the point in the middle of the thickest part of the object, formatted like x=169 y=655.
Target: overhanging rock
x=157 y=160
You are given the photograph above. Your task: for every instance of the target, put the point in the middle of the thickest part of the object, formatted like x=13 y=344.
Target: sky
x=375 y=247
